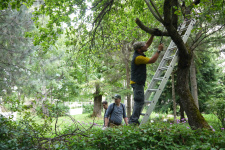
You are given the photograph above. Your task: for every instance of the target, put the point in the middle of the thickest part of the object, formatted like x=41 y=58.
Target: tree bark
x=195 y=118
x=126 y=57
x=174 y=98
x=97 y=101
x=181 y=112
x=45 y=110
x=194 y=89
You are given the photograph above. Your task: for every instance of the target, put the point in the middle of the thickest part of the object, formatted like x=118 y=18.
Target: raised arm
x=149 y=42
x=156 y=55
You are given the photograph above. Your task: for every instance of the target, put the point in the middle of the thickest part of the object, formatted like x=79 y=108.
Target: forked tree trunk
x=97 y=101
x=195 y=118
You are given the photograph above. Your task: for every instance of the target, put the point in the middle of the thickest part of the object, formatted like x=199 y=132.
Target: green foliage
x=88 y=108
x=12 y=136
x=54 y=110
x=20 y=135
x=15 y=48
x=26 y=134
x=208 y=79
x=150 y=136
x=217 y=107
x=11 y=103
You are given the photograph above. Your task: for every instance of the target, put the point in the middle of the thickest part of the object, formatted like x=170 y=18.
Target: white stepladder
x=165 y=69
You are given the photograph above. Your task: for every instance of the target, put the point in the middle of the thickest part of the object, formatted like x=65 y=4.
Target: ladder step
x=152 y=90
x=164 y=68
x=169 y=58
x=185 y=28
x=158 y=79
x=172 y=48
x=142 y=114
x=148 y=102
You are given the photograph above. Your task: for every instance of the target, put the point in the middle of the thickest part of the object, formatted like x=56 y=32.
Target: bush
x=150 y=136
x=217 y=106
x=88 y=108
x=24 y=134
x=13 y=136
x=53 y=110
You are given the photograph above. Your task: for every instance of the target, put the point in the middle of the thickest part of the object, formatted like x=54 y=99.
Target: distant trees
x=16 y=50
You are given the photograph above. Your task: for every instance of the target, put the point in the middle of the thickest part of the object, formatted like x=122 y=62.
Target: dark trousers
x=138 y=90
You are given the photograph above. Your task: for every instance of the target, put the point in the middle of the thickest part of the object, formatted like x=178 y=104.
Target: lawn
x=85 y=121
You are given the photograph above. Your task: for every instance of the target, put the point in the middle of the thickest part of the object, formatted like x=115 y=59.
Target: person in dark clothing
x=138 y=75
x=105 y=106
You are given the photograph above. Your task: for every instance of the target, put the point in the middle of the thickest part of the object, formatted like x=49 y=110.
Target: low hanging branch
x=155 y=32
x=107 y=7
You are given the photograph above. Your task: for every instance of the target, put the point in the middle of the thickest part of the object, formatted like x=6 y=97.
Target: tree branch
x=172 y=30
x=197 y=43
x=153 y=4
x=153 y=13
x=174 y=15
x=149 y=30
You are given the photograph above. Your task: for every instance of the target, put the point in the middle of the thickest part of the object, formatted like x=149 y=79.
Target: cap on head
x=138 y=45
x=116 y=96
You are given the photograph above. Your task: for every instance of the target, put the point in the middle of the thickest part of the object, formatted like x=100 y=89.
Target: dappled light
x=109 y=74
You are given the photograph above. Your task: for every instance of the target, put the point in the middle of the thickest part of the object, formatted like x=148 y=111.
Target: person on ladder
x=138 y=75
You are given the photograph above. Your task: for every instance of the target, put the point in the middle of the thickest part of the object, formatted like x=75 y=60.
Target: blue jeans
x=138 y=90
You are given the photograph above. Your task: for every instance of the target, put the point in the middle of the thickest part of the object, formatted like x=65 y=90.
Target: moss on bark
x=195 y=118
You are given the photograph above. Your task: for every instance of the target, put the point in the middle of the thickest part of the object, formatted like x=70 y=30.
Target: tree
x=170 y=21
x=171 y=17
x=195 y=120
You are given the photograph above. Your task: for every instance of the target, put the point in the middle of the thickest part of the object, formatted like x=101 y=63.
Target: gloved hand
x=157 y=32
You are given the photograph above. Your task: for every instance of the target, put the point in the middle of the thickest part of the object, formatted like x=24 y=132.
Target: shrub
x=13 y=136
x=150 y=136
x=53 y=110
x=217 y=106
x=88 y=108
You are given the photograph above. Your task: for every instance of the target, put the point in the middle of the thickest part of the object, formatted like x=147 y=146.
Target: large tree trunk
x=195 y=118
x=194 y=89
x=97 y=101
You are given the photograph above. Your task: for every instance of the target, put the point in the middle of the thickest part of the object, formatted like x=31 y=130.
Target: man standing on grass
x=138 y=75
x=105 y=106
x=115 y=113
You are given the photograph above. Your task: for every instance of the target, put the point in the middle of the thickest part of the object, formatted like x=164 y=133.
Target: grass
x=85 y=121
